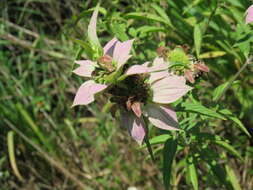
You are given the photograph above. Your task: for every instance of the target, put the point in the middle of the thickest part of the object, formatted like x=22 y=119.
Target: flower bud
x=201 y=67
x=161 y=51
x=136 y=107
x=105 y=59
x=189 y=76
x=106 y=62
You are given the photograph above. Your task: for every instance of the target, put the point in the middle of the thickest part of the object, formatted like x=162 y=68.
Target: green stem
x=211 y=16
x=146 y=139
x=247 y=62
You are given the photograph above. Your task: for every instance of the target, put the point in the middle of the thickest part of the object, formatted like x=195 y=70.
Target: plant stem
x=247 y=62
x=146 y=139
x=149 y=148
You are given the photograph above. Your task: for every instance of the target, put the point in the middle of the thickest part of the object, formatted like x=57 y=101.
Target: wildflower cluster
x=141 y=92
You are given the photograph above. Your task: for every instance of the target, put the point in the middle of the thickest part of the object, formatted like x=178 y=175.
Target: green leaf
x=31 y=123
x=160 y=139
x=193 y=4
x=230 y=116
x=212 y=54
x=218 y=91
x=197 y=38
x=169 y=151
x=162 y=13
x=87 y=49
x=232 y=178
x=193 y=175
x=146 y=29
x=229 y=49
x=229 y=148
x=119 y=30
x=198 y=108
x=146 y=16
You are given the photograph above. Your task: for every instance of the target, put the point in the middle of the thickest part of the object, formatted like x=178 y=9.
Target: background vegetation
x=45 y=144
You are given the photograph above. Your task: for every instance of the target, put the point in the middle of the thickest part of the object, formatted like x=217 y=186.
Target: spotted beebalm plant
x=144 y=93
x=141 y=92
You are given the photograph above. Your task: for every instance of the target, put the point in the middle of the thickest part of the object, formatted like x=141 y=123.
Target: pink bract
x=134 y=125
x=160 y=116
x=85 y=94
x=249 y=15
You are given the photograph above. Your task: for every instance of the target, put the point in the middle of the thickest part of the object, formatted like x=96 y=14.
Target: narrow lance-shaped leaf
x=193 y=175
x=197 y=38
x=162 y=13
x=232 y=177
x=146 y=16
x=159 y=139
x=212 y=54
x=218 y=91
x=240 y=125
x=169 y=151
x=229 y=148
x=198 y=108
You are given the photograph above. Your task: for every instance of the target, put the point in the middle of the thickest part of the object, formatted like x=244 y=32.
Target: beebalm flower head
x=249 y=15
x=102 y=70
x=146 y=92
x=181 y=63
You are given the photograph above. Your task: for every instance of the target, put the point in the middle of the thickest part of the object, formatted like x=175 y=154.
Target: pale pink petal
x=135 y=125
x=92 y=28
x=122 y=61
x=158 y=61
x=85 y=94
x=169 y=96
x=84 y=62
x=121 y=52
x=162 y=117
x=159 y=67
x=249 y=16
x=137 y=69
x=169 y=89
x=85 y=69
x=155 y=76
x=109 y=47
x=170 y=81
